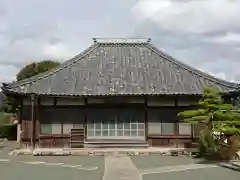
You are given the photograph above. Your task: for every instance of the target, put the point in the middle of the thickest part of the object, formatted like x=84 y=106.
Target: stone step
x=142 y=145
x=114 y=141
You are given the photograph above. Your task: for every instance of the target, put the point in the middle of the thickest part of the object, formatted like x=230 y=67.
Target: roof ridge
x=58 y=68
x=192 y=69
x=122 y=40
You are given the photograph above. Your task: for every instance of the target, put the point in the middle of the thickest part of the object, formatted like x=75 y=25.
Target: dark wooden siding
x=49 y=115
x=26 y=123
x=176 y=142
x=61 y=115
x=76 y=115
x=157 y=115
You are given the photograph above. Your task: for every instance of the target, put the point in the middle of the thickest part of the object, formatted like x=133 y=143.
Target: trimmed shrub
x=207 y=145
x=8 y=131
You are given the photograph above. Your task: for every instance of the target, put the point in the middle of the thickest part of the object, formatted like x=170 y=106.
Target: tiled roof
x=121 y=67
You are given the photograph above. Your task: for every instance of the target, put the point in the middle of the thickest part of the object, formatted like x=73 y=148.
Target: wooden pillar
x=176 y=127
x=33 y=120
x=85 y=117
x=19 y=130
x=37 y=118
x=146 y=117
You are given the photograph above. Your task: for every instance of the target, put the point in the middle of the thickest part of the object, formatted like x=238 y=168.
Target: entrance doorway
x=116 y=124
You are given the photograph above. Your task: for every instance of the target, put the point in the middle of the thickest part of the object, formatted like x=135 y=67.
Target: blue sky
x=202 y=33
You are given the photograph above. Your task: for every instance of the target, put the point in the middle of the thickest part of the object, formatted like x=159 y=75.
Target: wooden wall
x=75 y=105
x=165 y=110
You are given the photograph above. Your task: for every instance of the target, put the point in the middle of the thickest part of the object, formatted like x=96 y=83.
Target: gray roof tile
x=125 y=67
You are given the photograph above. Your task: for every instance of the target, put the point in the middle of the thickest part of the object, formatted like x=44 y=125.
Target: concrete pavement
x=110 y=167
x=120 y=167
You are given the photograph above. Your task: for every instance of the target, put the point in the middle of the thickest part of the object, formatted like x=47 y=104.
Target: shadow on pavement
x=225 y=164
x=231 y=166
x=204 y=161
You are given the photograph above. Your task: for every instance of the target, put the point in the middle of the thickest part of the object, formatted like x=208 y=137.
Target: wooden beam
x=37 y=118
x=20 y=120
x=85 y=117
x=33 y=120
x=176 y=126
x=55 y=101
x=146 y=117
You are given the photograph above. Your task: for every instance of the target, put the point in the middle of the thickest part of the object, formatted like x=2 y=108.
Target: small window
x=56 y=128
x=154 y=128
x=77 y=125
x=51 y=128
x=185 y=129
x=67 y=128
x=46 y=128
x=168 y=128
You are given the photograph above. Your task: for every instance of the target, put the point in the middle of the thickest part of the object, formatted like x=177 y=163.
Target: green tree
x=217 y=116
x=214 y=113
x=36 y=68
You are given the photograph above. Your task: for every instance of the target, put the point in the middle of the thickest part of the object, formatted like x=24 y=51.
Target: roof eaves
x=105 y=94
x=191 y=69
x=53 y=71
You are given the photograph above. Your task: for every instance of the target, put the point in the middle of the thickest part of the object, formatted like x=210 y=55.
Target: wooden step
x=76 y=141
x=77 y=138
x=115 y=145
x=118 y=143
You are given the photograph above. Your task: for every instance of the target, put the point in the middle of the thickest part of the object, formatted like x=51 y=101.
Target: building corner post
x=33 y=121
x=19 y=126
x=146 y=118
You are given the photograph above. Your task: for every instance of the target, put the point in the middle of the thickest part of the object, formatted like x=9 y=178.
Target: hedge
x=4 y=118
x=8 y=131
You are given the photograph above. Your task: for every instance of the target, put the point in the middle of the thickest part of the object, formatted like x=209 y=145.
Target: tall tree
x=36 y=68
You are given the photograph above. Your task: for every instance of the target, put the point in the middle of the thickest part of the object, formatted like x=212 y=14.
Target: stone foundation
x=104 y=152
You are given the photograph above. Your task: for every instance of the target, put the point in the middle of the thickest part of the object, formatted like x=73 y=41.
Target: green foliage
x=4 y=118
x=8 y=131
x=218 y=117
x=36 y=68
x=214 y=113
x=207 y=144
x=10 y=105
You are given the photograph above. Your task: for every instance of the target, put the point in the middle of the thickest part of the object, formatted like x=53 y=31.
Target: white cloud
x=8 y=73
x=226 y=38
x=194 y=16
x=58 y=51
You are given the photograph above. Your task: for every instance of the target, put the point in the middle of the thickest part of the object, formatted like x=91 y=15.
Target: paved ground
x=145 y=162
x=175 y=168
x=110 y=168
x=120 y=167
x=196 y=174
x=54 y=168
